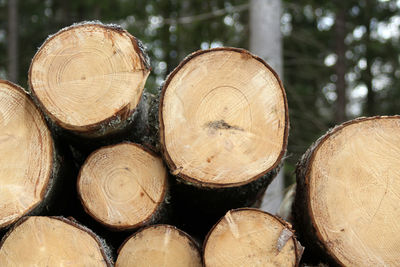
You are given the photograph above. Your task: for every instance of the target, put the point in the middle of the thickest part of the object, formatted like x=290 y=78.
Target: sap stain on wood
x=222 y=125
x=245 y=55
x=210 y=158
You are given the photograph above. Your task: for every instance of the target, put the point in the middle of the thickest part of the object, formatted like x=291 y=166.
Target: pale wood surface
x=44 y=241
x=250 y=237
x=224 y=118
x=85 y=74
x=160 y=245
x=122 y=185
x=354 y=180
x=26 y=149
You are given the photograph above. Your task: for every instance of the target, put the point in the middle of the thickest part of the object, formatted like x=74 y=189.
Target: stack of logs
x=116 y=160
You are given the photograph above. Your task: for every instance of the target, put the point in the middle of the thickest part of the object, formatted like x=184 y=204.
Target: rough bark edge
x=141 y=128
x=47 y=194
x=198 y=208
x=103 y=247
x=315 y=265
x=192 y=242
x=250 y=192
x=299 y=249
x=158 y=213
x=149 y=135
x=304 y=220
x=122 y=117
x=166 y=156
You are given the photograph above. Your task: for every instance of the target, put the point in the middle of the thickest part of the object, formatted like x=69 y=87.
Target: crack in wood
x=222 y=125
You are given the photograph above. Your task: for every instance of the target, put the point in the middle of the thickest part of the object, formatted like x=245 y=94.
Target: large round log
x=347 y=201
x=52 y=241
x=223 y=130
x=89 y=78
x=29 y=165
x=251 y=237
x=224 y=118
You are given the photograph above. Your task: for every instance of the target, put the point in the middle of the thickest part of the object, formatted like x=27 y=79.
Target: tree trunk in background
x=367 y=77
x=265 y=32
x=340 y=67
x=266 y=42
x=12 y=48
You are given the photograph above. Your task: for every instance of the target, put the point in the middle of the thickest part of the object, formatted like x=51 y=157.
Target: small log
x=52 y=241
x=124 y=186
x=251 y=237
x=88 y=79
x=30 y=163
x=159 y=245
x=348 y=187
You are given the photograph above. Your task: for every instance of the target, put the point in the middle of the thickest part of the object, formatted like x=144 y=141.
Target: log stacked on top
x=89 y=78
x=224 y=119
x=223 y=131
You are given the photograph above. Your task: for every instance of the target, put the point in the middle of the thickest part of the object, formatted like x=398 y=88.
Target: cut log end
x=224 y=118
x=86 y=75
x=159 y=245
x=51 y=241
x=26 y=147
x=122 y=186
x=352 y=189
x=250 y=237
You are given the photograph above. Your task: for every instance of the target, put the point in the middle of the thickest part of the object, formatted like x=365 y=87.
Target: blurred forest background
x=341 y=59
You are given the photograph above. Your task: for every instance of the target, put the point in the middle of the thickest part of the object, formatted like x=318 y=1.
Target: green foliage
x=309 y=61
x=3 y=39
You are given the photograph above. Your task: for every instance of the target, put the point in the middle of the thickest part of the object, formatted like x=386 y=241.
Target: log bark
x=50 y=241
x=348 y=185
x=142 y=130
x=31 y=173
x=196 y=209
x=159 y=245
x=88 y=79
x=124 y=187
x=251 y=237
x=223 y=129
